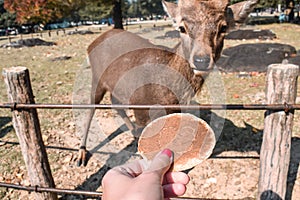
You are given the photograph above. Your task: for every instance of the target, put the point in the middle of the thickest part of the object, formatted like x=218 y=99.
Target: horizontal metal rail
x=54 y=190
x=20 y=106
x=137 y=155
x=285 y=107
x=68 y=191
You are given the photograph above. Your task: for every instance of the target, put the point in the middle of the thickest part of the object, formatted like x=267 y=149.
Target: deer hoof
x=82 y=159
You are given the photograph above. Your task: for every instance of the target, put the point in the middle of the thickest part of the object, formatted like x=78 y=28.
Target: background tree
x=269 y=3
x=151 y=7
x=134 y=9
x=117 y=14
x=115 y=7
x=2 y=9
x=94 y=10
x=290 y=5
x=43 y=11
x=32 y=11
x=6 y=19
x=263 y=3
x=68 y=8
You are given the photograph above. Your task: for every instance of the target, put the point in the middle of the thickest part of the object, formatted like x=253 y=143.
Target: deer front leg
x=82 y=154
x=95 y=99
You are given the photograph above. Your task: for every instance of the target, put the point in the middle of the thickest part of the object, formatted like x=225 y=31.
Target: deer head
x=203 y=25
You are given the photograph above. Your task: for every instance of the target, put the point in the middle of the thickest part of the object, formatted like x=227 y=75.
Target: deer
x=138 y=72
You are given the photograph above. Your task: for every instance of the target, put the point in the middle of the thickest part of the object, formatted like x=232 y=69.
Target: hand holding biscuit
x=145 y=180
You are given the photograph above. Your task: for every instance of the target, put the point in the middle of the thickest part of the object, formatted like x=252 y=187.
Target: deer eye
x=181 y=29
x=223 y=29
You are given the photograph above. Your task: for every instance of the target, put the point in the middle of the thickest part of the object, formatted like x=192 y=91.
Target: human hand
x=141 y=180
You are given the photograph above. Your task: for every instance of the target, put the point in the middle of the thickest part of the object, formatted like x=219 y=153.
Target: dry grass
x=53 y=82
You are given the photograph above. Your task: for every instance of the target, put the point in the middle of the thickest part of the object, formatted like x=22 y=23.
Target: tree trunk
x=27 y=127
x=117 y=14
x=275 y=149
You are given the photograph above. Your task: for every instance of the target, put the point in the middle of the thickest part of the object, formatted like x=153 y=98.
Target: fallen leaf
x=254 y=73
x=236 y=96
x=254 y=85
x=255 y=130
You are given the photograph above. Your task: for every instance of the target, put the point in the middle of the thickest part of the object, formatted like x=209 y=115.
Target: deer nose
x=202 y=62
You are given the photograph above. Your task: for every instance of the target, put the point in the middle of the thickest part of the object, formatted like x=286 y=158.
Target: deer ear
x=170 y=8
x=238 y=13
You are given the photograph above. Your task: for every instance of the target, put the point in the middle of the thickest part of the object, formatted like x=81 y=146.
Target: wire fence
x=276 y=107
x=96 y=195
x=20 y=106
x=54 y=190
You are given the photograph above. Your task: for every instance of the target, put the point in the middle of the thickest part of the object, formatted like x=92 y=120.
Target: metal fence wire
x=276 y=107
x=21 y=106
x=54 y=190
x=96 y=195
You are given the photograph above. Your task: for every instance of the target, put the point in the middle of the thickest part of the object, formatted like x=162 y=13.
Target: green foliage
x=270 y=3
x=264 y=3
x=2 y=10
x=139 y=8
x=94 y=10
x=6 y=19
x=43 y=11
x=150 y=7
x=235 y=1
x=32 y=11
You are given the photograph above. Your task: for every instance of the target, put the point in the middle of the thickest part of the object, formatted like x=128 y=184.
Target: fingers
x=161 y=162
x=174 y=190
x=176 y=177
x=174 y=184
x=132 y=169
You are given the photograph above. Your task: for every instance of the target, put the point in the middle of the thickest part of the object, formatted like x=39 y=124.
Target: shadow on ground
x=251 y=57
x=233 y=138
x=294 y=166
x=256 y=57
x=4 y=127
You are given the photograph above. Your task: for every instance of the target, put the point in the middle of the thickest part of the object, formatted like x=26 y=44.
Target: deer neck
x=178 y=49
x=182 y=65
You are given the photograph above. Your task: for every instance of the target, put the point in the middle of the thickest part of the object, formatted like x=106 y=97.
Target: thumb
x=161 y=162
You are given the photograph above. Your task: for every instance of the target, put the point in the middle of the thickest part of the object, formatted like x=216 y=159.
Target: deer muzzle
x=201 y=63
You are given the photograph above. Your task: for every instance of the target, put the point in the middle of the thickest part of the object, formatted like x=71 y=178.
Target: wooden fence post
x=27 y=127
x=275 y=150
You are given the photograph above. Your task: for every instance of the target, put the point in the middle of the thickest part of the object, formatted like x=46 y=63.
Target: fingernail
x=167 y=152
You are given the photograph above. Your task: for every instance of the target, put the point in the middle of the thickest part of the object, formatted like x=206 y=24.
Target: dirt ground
x=231 y=172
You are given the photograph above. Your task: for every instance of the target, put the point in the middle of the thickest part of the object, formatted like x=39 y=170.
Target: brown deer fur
x=136 y=71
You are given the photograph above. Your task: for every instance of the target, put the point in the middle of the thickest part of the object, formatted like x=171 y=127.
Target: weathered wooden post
x=275 y=151
x=27 y=127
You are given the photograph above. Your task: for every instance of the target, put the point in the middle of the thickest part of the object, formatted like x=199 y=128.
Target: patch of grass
x=53 y=82
x=11 y=161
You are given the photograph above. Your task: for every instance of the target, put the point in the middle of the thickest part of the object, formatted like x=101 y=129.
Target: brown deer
x=138 y=72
